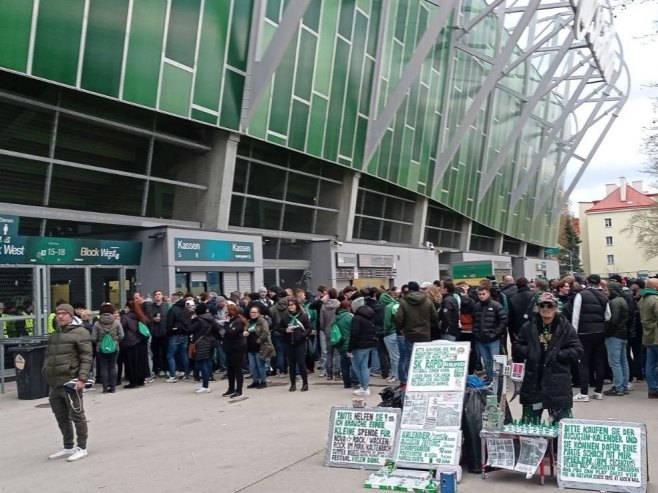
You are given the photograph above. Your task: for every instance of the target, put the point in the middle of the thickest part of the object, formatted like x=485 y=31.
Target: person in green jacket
x=68 y=357
x=391 y=305
x=649 y=317
x=344 y=321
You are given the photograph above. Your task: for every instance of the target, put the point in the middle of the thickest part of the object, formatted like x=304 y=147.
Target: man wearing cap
x=68 y=356
x=549 y=345
x=590 y=312
x=415 y=317
x=649 y=315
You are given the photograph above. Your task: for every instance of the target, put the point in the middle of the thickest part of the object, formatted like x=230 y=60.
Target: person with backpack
x=340 y=339
x=107 y=333
x=391 y=304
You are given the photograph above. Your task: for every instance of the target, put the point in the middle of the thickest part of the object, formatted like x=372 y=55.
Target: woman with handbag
x=259 y=347
x=134 y=345
x=295 y=327
x=235 y=346
x=107 y=326
x=205 y=332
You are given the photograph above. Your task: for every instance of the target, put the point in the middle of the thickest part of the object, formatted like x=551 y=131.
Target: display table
x=548 y=434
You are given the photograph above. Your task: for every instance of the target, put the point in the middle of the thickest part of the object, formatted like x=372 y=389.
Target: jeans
x=488 y=350
x=257 y=367
x=220 y=356
x=405 y=347
x=391 y=342
x=360 y=364
x=280 y=358
x=108 y=369
x=345 y=367
x=650 y=371
x=375 y=365
x=617 y=359
x=204 y=366
x=178 y=348
x=323 y=350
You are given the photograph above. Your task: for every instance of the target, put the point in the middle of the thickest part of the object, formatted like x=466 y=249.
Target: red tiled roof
x=634 y=200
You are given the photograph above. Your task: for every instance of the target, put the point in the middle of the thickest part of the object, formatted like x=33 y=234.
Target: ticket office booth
x=365 y=270
x=207 y=262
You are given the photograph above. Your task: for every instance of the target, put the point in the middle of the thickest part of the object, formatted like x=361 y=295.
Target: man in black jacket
x=590 y=312
x=548 y=344
x=179 y=323
x=489 y=324
x=450 y=305
x=518 y=308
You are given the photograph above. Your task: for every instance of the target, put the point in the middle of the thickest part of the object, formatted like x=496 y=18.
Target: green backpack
x=336 y=335
x=108 y=346
x=143 y=331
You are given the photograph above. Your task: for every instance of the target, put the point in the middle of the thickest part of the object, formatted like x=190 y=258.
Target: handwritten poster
x=363 y=437
x=602 y=455
x=416 y=448
x=438 y=366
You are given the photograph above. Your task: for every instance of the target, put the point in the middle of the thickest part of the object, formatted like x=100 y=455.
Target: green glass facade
x=338 y=72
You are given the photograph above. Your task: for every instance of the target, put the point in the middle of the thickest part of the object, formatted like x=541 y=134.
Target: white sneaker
x=202 y=390
x=60 y=454
x=150 y=379
x=580 y=398
x=171 y=380
x=629 y=386
x=362 y=392
x=80 y=453
x=391 y=379
x=597 y=396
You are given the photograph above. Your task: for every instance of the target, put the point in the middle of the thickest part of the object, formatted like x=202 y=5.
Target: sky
x=620 y=154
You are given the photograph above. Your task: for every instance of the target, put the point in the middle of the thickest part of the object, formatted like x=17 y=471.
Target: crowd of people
x=569 y=332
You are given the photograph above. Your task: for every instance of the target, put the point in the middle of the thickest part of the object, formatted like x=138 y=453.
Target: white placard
x=438 y=366
x=416 y=448
x=432 y=410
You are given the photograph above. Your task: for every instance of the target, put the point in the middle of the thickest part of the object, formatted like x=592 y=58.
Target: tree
x=569 y=241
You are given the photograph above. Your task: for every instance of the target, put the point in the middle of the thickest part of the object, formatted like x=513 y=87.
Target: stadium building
x=220 y=145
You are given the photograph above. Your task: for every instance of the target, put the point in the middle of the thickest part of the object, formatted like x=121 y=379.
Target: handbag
x=191 y=348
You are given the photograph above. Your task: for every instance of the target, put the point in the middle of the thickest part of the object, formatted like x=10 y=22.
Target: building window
x=608 y=240
x=608 y=222
x=611 y=259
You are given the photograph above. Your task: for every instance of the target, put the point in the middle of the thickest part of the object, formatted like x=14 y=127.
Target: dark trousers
x=592 y=360
x=345 y=367
x=296 y=355
x=384 y=362
x=159 y=347
x=69 y=412
x=234 y=362
x=636 y=359
x=108 y=369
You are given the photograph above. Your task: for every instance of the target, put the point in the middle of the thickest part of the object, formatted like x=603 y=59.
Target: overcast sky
x=621 y=154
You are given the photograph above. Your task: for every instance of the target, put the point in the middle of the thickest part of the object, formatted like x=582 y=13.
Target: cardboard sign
x=432 y=410
x=361 y=438
x=417 y=447
x=438 y=366
x=602 y=455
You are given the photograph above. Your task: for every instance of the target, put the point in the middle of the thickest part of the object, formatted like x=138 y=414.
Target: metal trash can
x=28 y=361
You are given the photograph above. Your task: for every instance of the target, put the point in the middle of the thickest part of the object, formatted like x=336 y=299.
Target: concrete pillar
x=216 y=169
x=349 y=194
x=420 y=221
x=498 y=244
x=465 y=242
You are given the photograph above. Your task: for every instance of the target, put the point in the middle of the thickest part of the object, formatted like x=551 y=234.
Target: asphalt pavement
x=165 y=438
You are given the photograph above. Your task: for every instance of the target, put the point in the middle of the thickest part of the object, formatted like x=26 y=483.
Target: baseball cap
x=547 y=298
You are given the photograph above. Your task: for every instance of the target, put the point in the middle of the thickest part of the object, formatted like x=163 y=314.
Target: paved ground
x=164 y=438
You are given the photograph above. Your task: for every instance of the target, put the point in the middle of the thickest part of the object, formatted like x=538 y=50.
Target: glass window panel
x=262 y=214
x=235 y=214
x=369 y=229
x=326 y=223
x=265 y=181
x=330 y=195
x=160 y=201
x=23 y=181
x=81 y=142
x=372 y=203
x=270 y=247
x=25 y=129
x=240 y=175
x=81 y=189
x=291 y=278
x=298 y=219
x=302 y=189
x=294 y=249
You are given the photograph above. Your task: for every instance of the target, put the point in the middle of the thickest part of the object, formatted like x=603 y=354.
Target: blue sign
x=213 y=250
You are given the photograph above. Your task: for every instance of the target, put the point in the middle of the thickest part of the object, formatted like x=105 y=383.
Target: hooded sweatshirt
x=391 y=306
x=106 y=323
x=328 y=315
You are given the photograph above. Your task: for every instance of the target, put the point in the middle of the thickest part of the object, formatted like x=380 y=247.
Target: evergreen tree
x=569 y=256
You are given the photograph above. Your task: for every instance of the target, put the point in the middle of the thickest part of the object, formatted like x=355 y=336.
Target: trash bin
x=28 y=361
